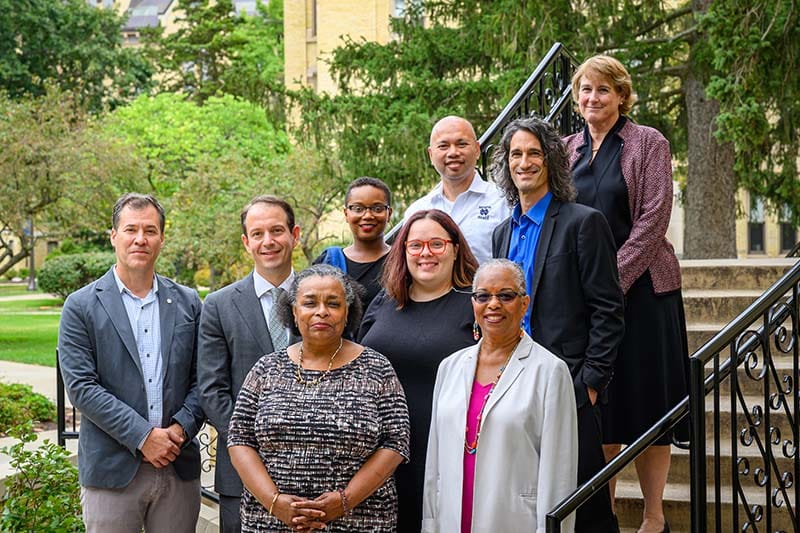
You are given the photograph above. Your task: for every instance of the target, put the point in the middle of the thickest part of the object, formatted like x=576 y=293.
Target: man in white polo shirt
x=475 y=205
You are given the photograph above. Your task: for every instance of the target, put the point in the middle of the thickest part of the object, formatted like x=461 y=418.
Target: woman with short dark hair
x=320 y=426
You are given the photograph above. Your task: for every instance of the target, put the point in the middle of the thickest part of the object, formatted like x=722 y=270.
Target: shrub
x=44 y=495
x=65 y=274
x=202 y=278
x=23 y=272
x=18 y=404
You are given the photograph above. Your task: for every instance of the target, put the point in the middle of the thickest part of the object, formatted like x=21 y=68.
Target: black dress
x=416 y=339
x=652 y=367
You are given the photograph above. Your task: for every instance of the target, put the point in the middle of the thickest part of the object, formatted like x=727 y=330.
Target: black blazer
x=576 y=296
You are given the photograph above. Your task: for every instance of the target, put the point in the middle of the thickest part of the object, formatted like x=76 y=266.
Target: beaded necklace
x=315 y=382
x=472 y=447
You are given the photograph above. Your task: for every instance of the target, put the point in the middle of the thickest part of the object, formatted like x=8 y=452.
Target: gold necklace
x=315 y=382
x=472 y=447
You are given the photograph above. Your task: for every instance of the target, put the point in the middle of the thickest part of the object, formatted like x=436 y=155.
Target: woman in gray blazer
x=517 y=457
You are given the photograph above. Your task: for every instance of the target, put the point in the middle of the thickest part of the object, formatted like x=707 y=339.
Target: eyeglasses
x=436 y=246
x=358 y=209
x=504 y=297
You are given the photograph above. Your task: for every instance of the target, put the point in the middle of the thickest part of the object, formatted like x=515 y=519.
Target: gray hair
x=353 y=292
x=505 y=264
x=556 y=159
x=137 y=202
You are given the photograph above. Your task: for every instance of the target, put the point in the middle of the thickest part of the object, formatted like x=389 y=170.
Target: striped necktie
x=277 y=331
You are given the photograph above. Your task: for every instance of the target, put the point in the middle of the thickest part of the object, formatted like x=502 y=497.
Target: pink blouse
x=468 y=486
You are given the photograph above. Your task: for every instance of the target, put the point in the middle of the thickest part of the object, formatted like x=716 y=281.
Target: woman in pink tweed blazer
x=625 y=171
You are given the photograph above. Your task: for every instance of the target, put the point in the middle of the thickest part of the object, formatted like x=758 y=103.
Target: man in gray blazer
x=127 y=345
x=238 y=326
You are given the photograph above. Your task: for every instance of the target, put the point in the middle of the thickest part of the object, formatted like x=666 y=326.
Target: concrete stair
x=715 y=292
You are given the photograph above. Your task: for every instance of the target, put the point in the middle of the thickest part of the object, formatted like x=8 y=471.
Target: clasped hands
x=302 y=514
x=163 y=445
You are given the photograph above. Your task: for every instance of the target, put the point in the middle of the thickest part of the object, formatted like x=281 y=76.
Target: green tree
x=755 y=50
x=71 y=43
x=57 y=172
x=215 y=52
x=171 y=134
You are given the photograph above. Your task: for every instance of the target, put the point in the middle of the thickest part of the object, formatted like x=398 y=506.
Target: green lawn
x=29 y=330
x=15 y=289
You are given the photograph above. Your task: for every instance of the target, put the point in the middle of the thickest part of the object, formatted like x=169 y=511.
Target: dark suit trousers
x=229 y=519
x=595 y=515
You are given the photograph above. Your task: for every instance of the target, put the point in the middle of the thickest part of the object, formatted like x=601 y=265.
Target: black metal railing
x=763 y=484
x=547 y=94
x=754 y=374
x=206 y=437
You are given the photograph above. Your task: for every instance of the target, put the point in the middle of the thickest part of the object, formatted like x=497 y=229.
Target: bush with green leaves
x=65 y=274
x=44 y=494
x=18 y=404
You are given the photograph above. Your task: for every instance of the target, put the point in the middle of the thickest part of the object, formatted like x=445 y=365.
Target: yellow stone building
x=313 y=28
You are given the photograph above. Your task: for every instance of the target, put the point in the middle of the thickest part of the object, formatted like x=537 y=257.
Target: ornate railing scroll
x=754 y=368
x=207 y=437
x=750 y=367
x=547 y=94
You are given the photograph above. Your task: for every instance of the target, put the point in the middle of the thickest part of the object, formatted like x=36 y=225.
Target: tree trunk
x=710 y=196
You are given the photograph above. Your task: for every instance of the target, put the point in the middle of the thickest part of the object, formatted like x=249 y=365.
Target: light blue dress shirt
x=145 y=320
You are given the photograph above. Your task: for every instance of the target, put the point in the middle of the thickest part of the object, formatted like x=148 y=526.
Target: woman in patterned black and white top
x=320 y=427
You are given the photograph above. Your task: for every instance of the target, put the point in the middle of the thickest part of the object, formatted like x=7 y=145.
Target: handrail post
x=697 y=449
x=61 y=418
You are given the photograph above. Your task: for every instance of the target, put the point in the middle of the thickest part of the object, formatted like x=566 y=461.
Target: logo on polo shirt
x=483 y=212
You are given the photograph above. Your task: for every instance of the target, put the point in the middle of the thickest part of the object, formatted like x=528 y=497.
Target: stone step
x=751 y=381
x=778 y=418
x=716 y=306
x=677 y=508
x=757 y=274
x=699 y=333
x=680 y=469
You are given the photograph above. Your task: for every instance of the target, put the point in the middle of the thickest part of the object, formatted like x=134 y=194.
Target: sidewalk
x=41 y=378
x=43 y=381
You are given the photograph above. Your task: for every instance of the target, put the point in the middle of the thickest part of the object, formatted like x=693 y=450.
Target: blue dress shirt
x=525 y=231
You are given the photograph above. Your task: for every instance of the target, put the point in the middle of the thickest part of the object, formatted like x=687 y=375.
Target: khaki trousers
x=156 y=500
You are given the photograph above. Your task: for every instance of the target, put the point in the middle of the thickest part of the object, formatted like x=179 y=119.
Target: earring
x=476 y=331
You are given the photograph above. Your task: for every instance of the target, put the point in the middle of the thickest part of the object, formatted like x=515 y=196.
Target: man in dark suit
x=238 y=326
x=127 y=345
x=567 y=252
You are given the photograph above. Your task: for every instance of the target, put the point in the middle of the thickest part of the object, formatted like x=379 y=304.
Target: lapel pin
x=169 y=300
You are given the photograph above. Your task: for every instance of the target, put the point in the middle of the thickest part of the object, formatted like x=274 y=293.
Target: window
x=755 y=227
x=788 y=232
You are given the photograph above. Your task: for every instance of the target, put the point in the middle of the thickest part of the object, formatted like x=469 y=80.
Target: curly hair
x=396 y=278
x=556 y=159
x=611 y=69
x=353 y=293
x=367 y=181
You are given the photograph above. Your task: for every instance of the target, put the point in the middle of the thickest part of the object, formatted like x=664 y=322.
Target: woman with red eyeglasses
x=422 y=315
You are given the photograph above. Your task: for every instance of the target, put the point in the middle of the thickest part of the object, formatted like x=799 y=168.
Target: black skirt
x=651 y=374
